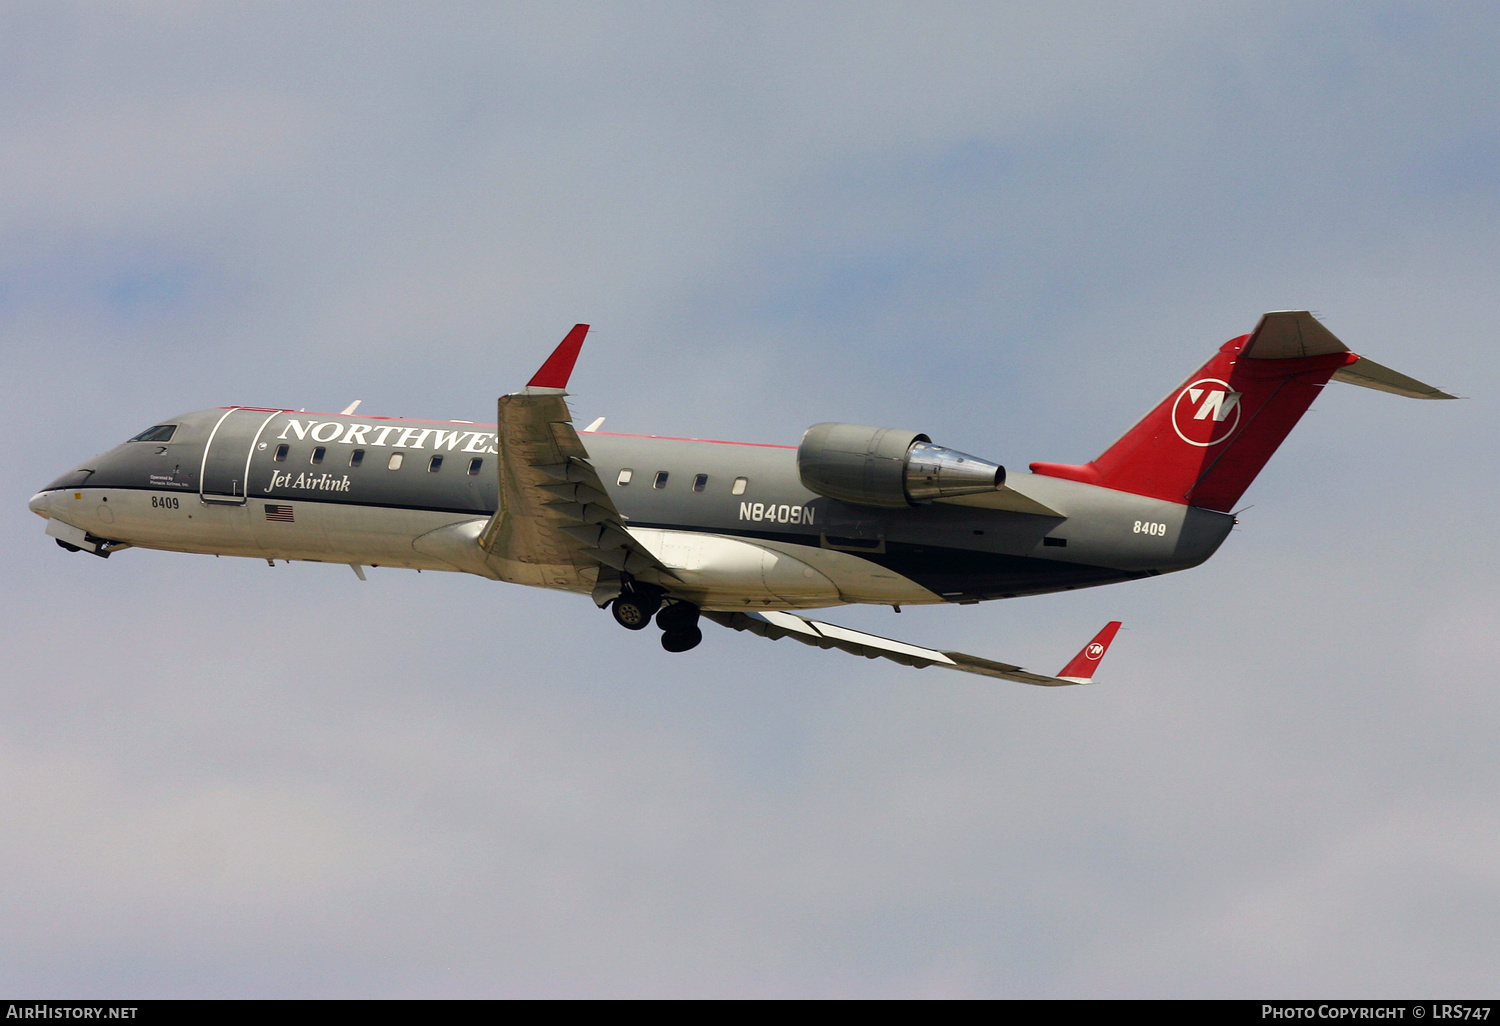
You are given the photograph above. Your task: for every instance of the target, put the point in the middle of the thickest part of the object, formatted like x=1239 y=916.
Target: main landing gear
x=678 y=620
x=679 y=627
x=634 y=609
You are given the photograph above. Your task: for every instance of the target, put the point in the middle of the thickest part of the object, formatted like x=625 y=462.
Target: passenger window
x=434 y=465
x=624 y=478
x=159 y=433
x=700 y=482
x=317 y=454
x=356 y=457
x=395 y=462
x=661 y=479
x=281 y=451
x=474 y=466
x=740 y=484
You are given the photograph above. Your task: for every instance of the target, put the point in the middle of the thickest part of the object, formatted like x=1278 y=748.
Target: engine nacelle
x=888 y=467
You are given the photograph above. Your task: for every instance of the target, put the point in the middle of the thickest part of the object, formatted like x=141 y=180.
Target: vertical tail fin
x=1205 y=442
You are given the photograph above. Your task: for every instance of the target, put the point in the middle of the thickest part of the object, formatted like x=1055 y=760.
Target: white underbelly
x=719 y=572
x=326 y=532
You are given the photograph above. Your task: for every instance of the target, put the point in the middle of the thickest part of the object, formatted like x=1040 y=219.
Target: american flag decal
x=282 y=513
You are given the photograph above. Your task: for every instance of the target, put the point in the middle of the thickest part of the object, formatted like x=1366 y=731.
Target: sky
x=1012 y=227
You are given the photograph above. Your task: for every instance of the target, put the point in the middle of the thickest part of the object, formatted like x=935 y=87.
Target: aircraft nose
x=39 y=503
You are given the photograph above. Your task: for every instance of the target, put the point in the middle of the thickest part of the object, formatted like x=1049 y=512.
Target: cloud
x=1014 y=230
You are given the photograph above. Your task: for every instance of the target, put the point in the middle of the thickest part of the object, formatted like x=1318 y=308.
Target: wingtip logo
x=1095 y=651
x=1206 y=412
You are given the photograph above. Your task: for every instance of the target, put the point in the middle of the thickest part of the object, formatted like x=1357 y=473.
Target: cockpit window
x=160 y=433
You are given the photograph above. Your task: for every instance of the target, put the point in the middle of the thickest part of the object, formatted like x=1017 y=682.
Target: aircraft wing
x=778 y=625
x=555 y=517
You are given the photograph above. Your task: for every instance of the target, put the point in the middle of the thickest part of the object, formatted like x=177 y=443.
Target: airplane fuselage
x=733 y=520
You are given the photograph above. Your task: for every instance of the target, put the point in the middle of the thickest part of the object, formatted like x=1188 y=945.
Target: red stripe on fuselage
x=476 y=424
x=709 y=441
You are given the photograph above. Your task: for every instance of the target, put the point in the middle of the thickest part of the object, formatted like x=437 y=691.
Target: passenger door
x=226 y=456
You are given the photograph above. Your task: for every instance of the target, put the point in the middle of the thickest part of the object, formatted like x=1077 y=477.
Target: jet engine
x=875 y=466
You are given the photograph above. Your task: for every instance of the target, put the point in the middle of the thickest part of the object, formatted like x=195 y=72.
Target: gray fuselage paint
x=371 y=514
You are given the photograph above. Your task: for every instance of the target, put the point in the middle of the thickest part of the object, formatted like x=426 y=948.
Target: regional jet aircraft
x=678 y=529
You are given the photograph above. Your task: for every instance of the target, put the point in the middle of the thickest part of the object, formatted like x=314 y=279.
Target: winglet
x=1081 y=669
x=559 y=366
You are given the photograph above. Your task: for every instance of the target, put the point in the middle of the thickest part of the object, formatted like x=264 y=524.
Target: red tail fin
x=1204 y=443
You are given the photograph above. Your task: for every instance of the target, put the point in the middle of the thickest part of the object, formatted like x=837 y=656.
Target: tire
x=679 y=616
x=631 y=612
x=681 y=641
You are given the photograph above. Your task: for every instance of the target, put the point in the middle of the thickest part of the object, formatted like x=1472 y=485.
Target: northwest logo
x=1094 y=651
x=1206 y=412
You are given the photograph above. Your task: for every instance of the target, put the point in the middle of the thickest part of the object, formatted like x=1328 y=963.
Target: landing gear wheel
x=679 y=616
x=632 y=611
x=681 y=641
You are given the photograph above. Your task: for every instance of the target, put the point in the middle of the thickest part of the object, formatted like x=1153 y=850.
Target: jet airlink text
x=310 y=482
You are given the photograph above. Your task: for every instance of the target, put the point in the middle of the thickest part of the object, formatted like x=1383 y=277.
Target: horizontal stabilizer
x=1297 y=334
x=1369 y=374
x=778 y=625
